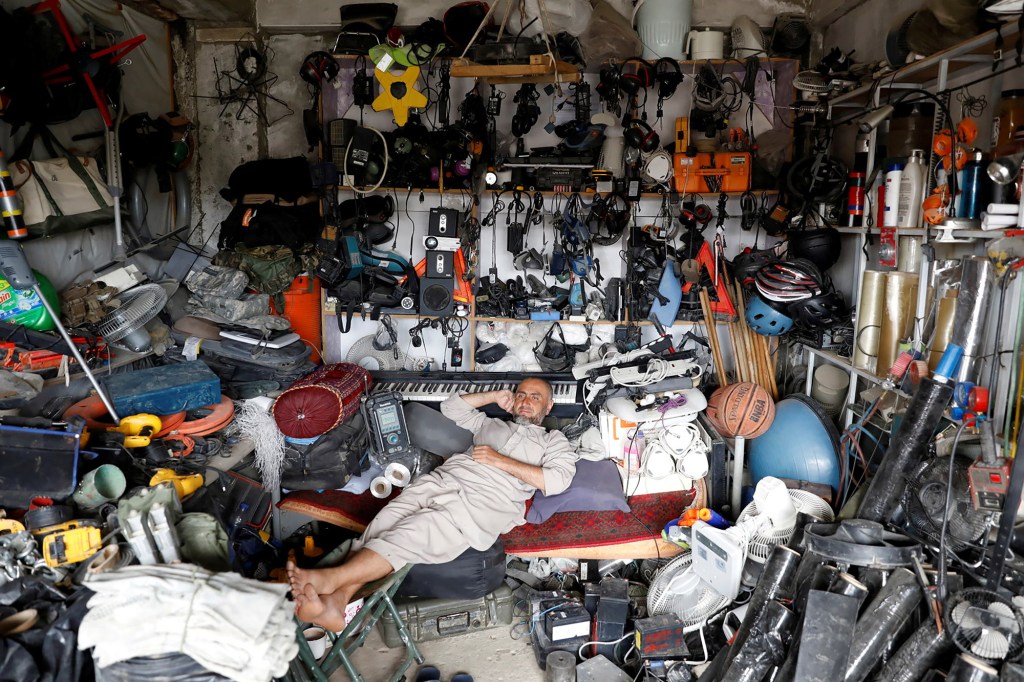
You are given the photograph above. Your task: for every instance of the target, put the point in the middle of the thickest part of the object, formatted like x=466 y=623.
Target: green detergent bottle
x=22 y=306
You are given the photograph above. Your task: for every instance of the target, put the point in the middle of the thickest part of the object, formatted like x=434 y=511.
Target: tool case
x=430 y=619
x=163 y=390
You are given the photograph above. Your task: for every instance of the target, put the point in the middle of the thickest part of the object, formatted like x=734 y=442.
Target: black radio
x=385 y=421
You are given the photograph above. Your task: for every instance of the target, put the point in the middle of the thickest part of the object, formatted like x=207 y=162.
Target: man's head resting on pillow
x=533 y=401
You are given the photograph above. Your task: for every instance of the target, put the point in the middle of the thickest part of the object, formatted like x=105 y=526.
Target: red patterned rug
x=580 y=535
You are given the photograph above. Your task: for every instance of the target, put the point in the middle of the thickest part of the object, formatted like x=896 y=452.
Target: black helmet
x=821 y=246
x=746 y=264
x=821 y=311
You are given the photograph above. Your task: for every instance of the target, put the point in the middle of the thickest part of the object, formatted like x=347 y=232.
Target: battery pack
x=612 y=614
x=660 y=637
x=567 y=622
x=430 y=619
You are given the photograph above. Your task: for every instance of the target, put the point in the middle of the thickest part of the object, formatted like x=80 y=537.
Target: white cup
x=706 y=44
x=316 y=637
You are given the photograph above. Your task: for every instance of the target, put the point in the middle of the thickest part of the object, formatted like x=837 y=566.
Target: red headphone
x=632 y=83
x=640 y=135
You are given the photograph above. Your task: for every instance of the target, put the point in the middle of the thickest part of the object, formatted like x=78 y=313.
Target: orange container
x=302 y=310
x=730 y=170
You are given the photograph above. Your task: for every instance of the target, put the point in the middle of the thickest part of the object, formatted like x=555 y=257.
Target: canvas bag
x=63 y=193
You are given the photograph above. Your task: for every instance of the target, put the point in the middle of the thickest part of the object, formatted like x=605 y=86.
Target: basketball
x=743 y=410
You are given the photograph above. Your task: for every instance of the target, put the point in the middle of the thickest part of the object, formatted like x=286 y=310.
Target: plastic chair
x=377 y=597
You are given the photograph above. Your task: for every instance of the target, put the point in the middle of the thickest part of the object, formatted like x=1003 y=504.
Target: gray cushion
x=434 y=432
x=595 y=487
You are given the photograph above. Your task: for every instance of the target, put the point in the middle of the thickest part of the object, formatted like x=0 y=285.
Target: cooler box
x=430 y=619
x=163 y=390
x=712 y=172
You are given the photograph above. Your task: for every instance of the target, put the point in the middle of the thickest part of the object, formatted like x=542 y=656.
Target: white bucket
x=663 y=26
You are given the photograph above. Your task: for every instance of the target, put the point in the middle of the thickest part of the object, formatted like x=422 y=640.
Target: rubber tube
x=921 y=652
x=796 y=541
x=878 y=629
x=906 y=450
x=827 y=636
x=967 y=668
x=849 y=586
x=776 y=582
x=765 y=647
x=820 y=578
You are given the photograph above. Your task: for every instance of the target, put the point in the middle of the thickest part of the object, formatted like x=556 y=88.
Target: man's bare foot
x=327 y=611
x=298 y=578
x=308 y=605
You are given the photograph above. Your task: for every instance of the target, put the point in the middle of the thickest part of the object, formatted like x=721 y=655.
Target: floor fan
x=125 y=326
x=985 y=624
x=677 y=589
x=768 y=533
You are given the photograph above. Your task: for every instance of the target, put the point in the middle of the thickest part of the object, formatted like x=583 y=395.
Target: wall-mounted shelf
x=541 y=69
x=973 y=53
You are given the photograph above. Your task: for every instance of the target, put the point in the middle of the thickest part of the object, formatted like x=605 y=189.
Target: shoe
x=428 y=673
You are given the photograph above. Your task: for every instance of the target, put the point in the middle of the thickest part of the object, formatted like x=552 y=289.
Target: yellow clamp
x=10 y=526
x=138 y=429
x=184 y=484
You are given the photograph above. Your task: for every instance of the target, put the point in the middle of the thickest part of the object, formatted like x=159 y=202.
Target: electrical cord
x=384 y=172
x=941 y=579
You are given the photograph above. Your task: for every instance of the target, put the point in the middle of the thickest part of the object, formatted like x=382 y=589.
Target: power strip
x=672 y=368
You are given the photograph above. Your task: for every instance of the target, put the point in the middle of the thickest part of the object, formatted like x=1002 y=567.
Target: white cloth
x=231 y=625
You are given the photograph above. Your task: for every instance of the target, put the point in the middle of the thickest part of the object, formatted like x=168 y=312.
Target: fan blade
x=965 y=615
x=992 y=644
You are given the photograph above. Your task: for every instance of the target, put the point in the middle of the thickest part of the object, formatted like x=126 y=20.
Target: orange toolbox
x=712 y=172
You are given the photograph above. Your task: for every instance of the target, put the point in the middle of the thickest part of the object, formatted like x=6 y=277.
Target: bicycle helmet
x=746 y=264
x=821 y=246
x=820 y=312
x=766 y=320
x=789 y=280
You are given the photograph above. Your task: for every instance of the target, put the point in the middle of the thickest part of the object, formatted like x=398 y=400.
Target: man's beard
x=523 y=420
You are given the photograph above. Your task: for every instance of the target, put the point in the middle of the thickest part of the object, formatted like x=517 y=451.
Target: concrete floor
x=487 y=655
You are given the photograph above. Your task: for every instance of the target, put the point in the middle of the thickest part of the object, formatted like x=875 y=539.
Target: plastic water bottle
x=971 y=178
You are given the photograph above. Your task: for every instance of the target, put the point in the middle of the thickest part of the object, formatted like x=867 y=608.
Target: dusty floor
x=487 y=655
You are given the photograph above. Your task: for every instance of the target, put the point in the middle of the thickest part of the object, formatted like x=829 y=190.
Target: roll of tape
x=380 y=487
x=397 y=474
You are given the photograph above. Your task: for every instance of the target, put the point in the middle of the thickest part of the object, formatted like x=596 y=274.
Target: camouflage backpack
x=271 y=269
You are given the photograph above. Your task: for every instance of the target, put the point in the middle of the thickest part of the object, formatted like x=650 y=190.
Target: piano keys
x=436 y=387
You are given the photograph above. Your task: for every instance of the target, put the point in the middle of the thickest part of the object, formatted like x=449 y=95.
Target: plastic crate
x=164 y=390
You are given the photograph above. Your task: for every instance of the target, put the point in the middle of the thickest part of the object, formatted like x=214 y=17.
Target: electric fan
x=811 y=84
x=368 y=353
x=925 y=503
x=766 y=534
x=677 y=589
x=985 y=624
x=125 y=326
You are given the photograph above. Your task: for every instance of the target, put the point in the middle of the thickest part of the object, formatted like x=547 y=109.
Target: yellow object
x=184 y=484
x=310 y=549
x=67 y=525
x=71 y=546
x=399 y=93
x=138 y=429
x=10 y=526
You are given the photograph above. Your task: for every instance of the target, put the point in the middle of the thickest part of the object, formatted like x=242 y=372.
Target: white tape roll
x=397 y=474
x=380 y=487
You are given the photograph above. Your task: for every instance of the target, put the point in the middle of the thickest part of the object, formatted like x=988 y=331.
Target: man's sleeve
x=559 y=464
x=463 y=414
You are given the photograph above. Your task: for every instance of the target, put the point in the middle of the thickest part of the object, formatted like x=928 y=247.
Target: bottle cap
x=917 y=153
x=894 y=166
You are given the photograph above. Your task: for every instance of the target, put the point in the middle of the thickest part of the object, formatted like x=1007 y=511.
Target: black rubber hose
x=766 y=646
x=922 y=651
x=878 y=629
x=906 y=450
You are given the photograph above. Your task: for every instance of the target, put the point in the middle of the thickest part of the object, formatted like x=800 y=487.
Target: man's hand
x=485 y=454
x=528 y=473
x=505 y=399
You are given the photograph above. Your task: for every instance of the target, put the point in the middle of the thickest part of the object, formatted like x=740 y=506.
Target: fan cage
x=928 y=483
x=138 y=307
x=811 y=82
x=985 y=624
x=659 y=601
x=761 y=544
x=363 y=348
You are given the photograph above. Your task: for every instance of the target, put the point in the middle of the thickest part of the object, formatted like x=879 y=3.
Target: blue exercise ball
x=801 y=444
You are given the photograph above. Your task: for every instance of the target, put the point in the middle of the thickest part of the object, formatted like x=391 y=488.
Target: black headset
x=640 y=135
x=668 y=75
x=318 y=67
x=634 y=82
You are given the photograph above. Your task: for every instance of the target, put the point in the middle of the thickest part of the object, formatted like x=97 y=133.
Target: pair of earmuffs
x=640 y=135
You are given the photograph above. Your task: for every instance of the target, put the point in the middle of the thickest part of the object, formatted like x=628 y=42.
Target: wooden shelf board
x=541 y=69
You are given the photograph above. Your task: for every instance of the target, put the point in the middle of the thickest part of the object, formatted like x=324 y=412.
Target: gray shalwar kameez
x=464 y=503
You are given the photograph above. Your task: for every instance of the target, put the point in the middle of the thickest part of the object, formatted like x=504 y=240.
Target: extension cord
x=672 y=368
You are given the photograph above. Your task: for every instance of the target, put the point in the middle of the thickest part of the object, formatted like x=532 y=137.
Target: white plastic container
x=663 y=26
x=911 y=191
x=893 y=175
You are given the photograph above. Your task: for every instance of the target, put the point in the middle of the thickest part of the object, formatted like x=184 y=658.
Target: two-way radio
x=385 y=420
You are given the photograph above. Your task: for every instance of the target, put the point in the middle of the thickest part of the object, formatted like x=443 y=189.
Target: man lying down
x=466 y=502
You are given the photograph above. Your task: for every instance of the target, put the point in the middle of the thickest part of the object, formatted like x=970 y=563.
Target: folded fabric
x=595 y=487
x=236 y=627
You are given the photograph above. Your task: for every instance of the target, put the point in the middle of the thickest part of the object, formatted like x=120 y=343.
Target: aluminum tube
x=922 y=651
x=878 y=629
x=976 y=283
x=967 y=668
x=776 y=582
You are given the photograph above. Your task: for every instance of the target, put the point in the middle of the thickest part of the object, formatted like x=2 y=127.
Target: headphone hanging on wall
x=640 y=135
x=668 y=76
x=633 y=82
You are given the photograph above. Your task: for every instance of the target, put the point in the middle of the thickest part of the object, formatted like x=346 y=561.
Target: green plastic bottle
x=22 y=306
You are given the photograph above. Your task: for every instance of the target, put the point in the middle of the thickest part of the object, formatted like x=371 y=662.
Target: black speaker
x=444 y=222
x=437 y=296
x=440 y=264
x=339 y=132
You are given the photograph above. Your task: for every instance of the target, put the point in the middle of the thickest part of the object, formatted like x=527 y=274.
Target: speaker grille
x=437 y=297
